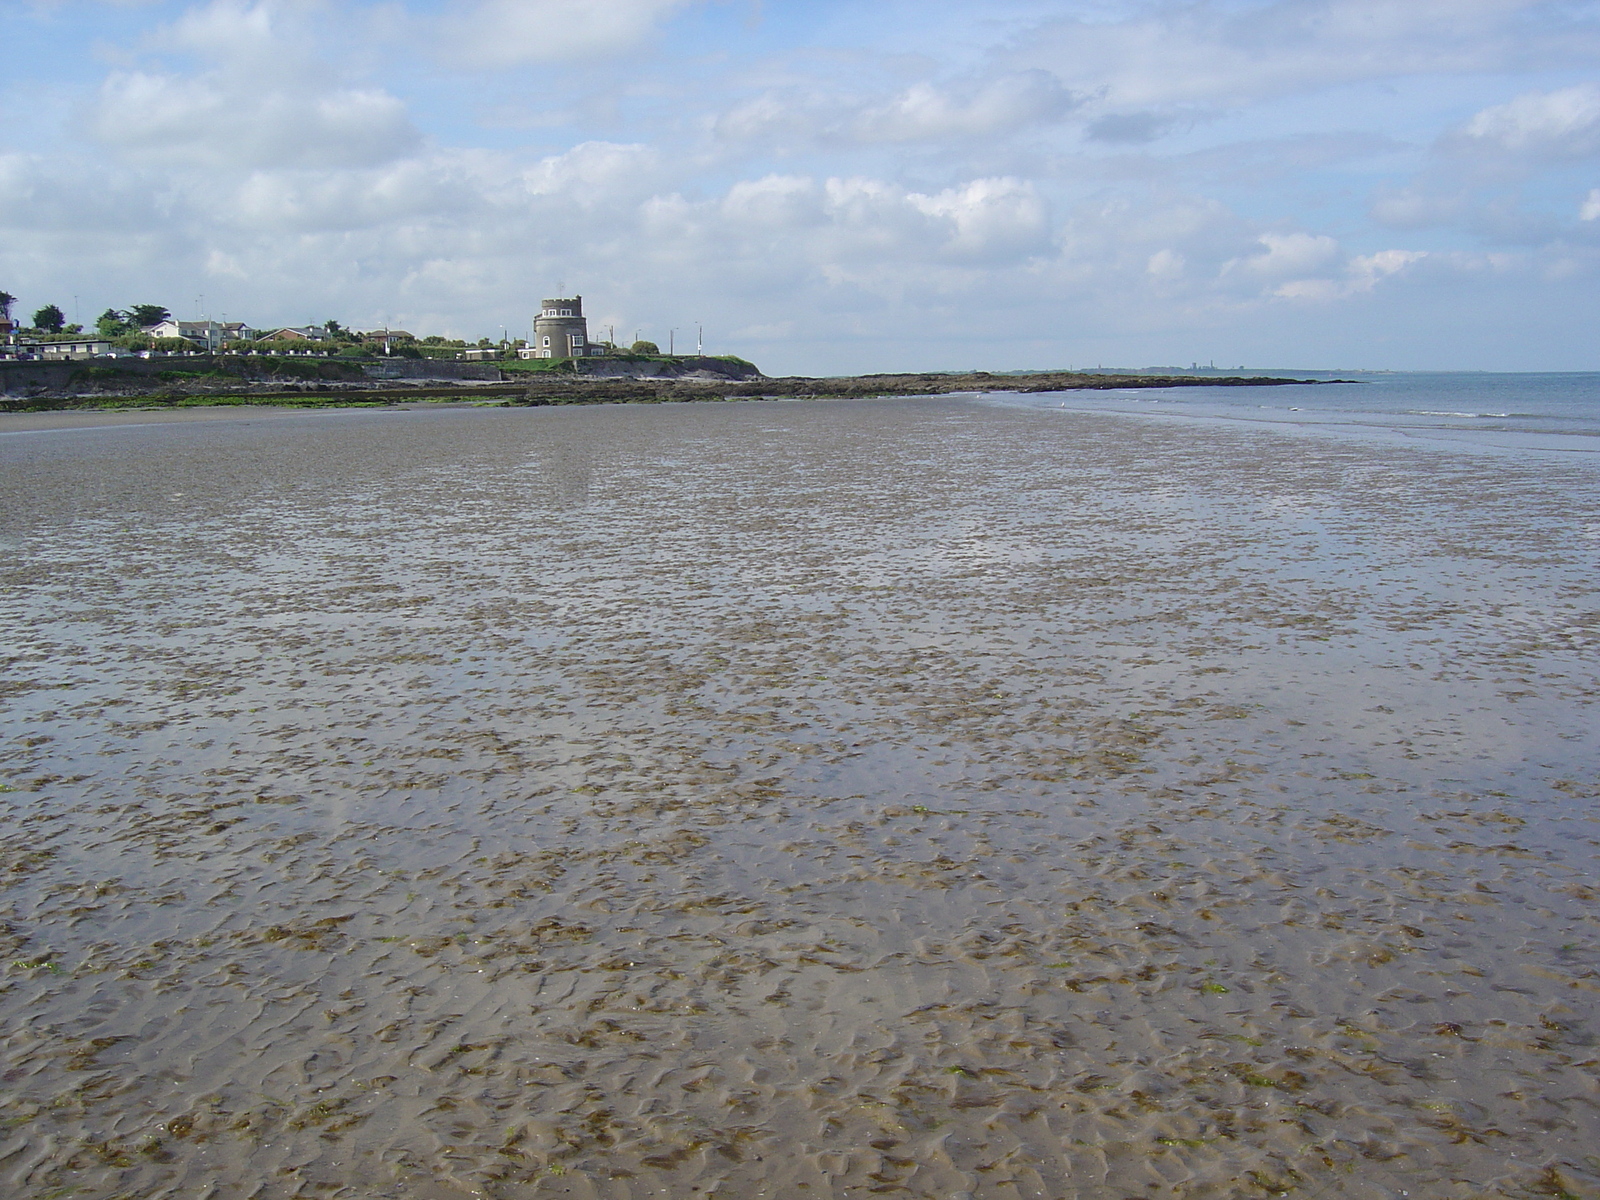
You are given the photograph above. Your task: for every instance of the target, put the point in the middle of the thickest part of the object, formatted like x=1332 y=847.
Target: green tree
x=142 y=316
x=111 y=323
x=6 y=301
x=49 y=319
x=645 y=348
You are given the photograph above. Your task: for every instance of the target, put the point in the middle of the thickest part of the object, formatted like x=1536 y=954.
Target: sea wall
x=201 y=371
x=430 y=368
x=20 y=378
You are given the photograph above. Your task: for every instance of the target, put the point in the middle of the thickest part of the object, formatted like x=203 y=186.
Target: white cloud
x=40 y=194
x=871 y=221
x=594 y=172
x=993 y=107
x=775 y=202
x=220 y=120
x=508 y=33
x=307 y=201
x=266 y=98
x=228 y=29
x=1361 y=274
x=1165 y=264
x=997 y=106
x=1591 y=206
x=1187 y=54
x=1286 y=254
x=1369 y=269
x=990 y=219
x=857 y=225
x=1563 y=124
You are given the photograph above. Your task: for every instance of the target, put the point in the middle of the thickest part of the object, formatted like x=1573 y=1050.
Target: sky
x=829 y=186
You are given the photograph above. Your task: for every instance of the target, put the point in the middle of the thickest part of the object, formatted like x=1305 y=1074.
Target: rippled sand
x=915 y=798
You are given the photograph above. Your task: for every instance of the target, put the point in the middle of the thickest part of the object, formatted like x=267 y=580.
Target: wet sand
x=99 y=418
x=916 y=798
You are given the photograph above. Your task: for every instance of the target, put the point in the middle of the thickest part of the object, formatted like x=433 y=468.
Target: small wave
x=1434 y=412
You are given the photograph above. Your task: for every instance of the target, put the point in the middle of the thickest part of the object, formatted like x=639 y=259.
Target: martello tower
x=560 y=331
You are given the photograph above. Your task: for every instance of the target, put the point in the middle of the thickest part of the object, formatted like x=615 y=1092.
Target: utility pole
x=672 y=342
x=699 y=339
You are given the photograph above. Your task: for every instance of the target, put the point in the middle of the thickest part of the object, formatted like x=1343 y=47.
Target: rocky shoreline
x=332 y=383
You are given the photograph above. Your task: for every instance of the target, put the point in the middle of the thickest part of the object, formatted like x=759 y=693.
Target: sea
x=1539 y=413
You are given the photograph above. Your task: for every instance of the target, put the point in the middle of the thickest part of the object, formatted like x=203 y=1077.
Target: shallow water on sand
x=915 y=798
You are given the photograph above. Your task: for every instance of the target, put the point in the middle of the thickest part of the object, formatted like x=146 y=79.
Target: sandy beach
x=922 y=798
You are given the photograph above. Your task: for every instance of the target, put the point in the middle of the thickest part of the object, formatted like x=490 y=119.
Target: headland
x=225 y=380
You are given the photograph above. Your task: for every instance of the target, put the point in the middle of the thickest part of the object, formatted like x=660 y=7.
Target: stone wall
x=429 y=368
x=33 y=376
x=19 y=378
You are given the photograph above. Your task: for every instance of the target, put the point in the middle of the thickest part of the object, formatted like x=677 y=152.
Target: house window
x=577 y=339
x=566 y=312
x=547 y=339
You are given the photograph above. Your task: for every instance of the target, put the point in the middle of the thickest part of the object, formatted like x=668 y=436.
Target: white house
x=78 y=348
x=210 y=334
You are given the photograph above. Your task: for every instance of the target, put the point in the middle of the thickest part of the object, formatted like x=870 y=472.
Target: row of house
x=559 y=331
x=211 y=336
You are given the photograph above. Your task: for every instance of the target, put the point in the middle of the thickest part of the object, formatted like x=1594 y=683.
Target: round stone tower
x=560 y=331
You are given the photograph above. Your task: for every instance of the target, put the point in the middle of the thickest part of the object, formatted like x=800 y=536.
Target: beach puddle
x=902 y=798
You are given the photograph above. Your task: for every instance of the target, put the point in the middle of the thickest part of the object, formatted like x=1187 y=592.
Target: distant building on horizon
x=561 y=331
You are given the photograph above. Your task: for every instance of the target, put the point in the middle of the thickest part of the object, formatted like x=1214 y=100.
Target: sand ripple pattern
x=909 y=798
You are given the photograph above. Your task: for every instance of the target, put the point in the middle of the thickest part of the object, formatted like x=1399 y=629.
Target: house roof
x=304 y=332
